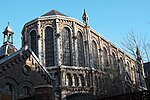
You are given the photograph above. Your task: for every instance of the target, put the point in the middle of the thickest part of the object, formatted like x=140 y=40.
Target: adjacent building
x=22 y=76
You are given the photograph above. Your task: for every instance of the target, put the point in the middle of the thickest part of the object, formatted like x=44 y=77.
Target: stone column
x=58 y=50
x=100 y=55
x=75 y=53
x=39 y=40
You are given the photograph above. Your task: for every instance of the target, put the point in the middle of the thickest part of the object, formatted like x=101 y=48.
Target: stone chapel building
x=82 y=61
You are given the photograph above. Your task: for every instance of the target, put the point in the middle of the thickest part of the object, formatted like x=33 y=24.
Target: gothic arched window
x=49 y=47
x=105 y=57
x=80 y=50
x=122 y=65
x=33 y=41
x=128 y=67
x=94 y=55
x=66 y=47
x=114 y=63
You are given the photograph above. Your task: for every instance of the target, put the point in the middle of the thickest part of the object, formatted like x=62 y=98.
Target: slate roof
x=53 y=12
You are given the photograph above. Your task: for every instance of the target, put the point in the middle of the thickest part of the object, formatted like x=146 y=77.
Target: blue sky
x=111 y=18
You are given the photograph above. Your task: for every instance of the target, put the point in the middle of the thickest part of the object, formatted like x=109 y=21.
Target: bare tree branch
x=131 y=42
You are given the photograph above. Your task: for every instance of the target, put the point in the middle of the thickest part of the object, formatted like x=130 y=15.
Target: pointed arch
x=66 y=47
x=49 y=47
x=128 y=67
x=114 y=61
x=122 y=65
x=94 y=54
x=105 y=57
x=81 y=59
x=33 y=41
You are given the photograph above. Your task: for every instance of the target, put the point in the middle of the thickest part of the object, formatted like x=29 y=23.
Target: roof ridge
x=53 y=12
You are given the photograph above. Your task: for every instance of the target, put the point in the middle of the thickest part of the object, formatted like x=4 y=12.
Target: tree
x=131 y=42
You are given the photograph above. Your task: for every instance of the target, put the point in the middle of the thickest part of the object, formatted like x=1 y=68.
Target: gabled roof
x=53 y=12
x=5 y=59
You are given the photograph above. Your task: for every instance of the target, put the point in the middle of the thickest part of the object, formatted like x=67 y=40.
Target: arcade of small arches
x=25 y=89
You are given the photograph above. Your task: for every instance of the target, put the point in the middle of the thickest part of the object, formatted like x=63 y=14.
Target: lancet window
x=66 y=47
x=80 y=50
x=94 y=54
x=33 y=41
x=105 y=57
x=49 y=46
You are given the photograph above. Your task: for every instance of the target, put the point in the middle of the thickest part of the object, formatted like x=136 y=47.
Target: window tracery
x=33 y=41
x=122 y=65
x=49 y=47
x=94 y=55
x=80 y=50
x=105 y=57
x=114 y=62
x=66 y=46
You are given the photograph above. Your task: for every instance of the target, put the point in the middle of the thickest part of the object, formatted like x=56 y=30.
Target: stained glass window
x=33 y=41
x=80 y=50
x=122 y=65
x=66 y=46
x=94 y=54
x=114 y=63
x=128 y=67
x=105 y=57
x=49 y=47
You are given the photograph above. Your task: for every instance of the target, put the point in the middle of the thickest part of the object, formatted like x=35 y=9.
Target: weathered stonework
x=113 y=71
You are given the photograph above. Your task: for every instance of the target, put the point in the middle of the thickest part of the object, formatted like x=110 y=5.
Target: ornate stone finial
x=8 y=34
x=85 y=17
x=138 y=58
x=138 y=53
